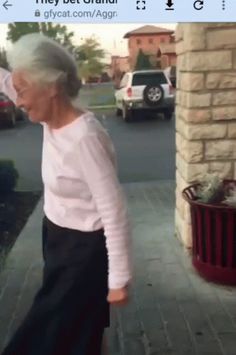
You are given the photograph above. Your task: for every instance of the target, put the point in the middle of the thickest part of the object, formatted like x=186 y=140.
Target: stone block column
x=205 y=109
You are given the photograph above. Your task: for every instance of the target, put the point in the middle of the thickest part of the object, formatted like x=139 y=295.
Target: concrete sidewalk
x=172 y=310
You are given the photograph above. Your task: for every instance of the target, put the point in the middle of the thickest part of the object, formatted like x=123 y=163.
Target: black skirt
x=70 y=311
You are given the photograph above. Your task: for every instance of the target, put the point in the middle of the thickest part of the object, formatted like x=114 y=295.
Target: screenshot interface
x=117 y=177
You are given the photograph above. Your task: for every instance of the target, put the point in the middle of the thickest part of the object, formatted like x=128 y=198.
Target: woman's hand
x=118 y=297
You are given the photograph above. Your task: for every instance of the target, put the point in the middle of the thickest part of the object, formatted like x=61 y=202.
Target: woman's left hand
x=118 y=297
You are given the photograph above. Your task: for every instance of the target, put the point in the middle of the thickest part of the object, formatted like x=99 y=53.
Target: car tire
x=12 y=120
x=118 y=112
x=126 y=114
x=168 y=114
x=153 y=95
x=20 y=115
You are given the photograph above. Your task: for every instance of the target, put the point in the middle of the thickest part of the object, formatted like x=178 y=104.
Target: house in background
x=107 y=73
x=157 y=43
x=166 y=55
x=119 y=66
x=154 y=41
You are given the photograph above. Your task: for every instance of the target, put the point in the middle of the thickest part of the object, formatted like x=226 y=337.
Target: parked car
x=9 y=113
x=171 y=74
x=144 y=90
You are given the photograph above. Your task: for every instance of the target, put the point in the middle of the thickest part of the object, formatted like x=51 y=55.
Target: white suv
x=145 y=90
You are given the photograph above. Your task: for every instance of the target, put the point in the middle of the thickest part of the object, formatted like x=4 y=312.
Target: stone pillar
x=205 y=109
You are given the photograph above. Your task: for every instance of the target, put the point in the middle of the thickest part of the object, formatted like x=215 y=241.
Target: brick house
x=119 y=66
x=150 y=39
x=166 y=54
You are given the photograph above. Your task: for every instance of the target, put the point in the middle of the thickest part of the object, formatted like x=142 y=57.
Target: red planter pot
x=214 y=238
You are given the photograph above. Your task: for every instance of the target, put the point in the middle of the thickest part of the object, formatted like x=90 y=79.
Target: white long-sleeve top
x=82 y=191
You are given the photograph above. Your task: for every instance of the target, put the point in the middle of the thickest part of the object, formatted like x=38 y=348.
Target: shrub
x=8 y=176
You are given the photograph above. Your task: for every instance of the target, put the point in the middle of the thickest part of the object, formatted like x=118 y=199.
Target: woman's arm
x=100 y=174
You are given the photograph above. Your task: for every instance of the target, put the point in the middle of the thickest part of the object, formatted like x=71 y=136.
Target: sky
x=110 y=36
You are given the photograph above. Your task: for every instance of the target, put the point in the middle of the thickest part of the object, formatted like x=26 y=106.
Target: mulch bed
x=15 y=209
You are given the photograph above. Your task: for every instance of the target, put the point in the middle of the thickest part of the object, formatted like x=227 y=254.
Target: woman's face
x=35 y=99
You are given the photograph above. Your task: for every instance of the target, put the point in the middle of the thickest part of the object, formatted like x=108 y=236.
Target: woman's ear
x=53 y=90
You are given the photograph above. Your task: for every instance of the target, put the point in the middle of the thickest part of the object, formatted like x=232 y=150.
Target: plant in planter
x=214 y=190
x=230 y=196
x=213 y=215
x=210 y=189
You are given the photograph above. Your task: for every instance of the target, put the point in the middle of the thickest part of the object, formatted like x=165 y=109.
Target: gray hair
x=46 y=61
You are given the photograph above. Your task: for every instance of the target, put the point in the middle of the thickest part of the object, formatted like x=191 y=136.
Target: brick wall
x=205 y=109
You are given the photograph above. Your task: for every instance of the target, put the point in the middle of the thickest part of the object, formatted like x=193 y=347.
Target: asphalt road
x=145 y=149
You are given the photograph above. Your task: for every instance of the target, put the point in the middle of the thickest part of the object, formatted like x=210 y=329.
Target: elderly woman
x=86 y=234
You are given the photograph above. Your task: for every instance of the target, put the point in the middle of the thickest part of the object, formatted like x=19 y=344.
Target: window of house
x=150 y=40
x=138 y=41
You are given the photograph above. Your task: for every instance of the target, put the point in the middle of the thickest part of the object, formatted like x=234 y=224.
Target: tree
x=143 y=61
x=3 y=59
x=90 y=58
x=56 y=31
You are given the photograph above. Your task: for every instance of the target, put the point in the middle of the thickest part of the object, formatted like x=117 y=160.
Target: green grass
x=97 y=95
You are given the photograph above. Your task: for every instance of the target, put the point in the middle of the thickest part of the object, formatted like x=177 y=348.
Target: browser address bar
x=118 y=11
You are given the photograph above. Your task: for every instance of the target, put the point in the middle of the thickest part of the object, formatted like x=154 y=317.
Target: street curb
x=101 y=107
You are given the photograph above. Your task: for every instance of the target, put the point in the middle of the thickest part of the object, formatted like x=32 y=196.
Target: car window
x=149 y=79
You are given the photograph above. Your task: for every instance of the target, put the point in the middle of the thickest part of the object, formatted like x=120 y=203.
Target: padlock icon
x=37 y=13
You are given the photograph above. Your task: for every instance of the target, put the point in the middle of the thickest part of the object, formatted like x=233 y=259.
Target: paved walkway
x=172 y=312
